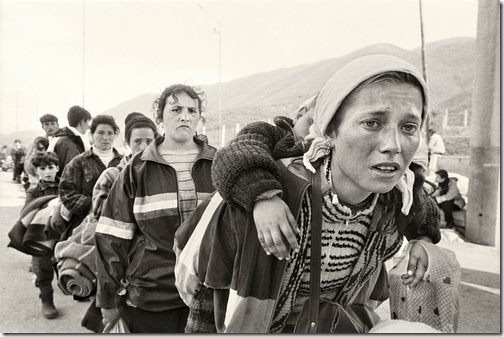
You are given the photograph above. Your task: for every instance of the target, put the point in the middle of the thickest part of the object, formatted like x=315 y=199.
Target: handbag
x=321 y=315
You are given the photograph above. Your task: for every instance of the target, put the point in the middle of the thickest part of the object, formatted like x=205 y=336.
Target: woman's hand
x=417 y=265
x=110 y=318
x=276 y=227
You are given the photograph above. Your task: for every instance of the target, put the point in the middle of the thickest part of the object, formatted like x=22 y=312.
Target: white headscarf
x=337 y=88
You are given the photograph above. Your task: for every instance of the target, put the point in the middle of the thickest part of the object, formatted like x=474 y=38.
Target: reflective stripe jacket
x=135 y=233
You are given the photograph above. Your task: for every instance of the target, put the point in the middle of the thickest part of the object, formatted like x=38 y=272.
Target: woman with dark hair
x=156 y=191
x=448 y=196
x=360 y=147
x=80 y=174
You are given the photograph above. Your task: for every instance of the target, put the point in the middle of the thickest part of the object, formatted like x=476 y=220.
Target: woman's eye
x=371 y=124
x=193 y=111
x=410 y=128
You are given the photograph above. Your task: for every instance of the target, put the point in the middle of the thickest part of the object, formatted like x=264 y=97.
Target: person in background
x=71 y=141
x=50 y=125
x=140 y=131
x=18 y=154
x=156 y=191
x=365 y=155
x=436 y=149
x=46 y=167
x=82 y=172
x=448 y=196
x=40 y=145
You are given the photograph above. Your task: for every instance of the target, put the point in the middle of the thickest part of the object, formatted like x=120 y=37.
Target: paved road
x=479 y=291
x=19 y=303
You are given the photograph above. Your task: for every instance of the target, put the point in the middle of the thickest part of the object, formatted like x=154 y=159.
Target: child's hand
x=276 y=227
x=417 y=265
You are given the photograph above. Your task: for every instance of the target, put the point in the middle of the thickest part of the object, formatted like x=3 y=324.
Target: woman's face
x=180 y=118
x=376 y=139
x=439 y=179
x=140 y=138
x=103 y=137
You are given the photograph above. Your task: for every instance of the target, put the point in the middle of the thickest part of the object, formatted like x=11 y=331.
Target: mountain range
x=450 y=75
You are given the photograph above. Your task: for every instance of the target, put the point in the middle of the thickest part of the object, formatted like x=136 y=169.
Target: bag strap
x=316 y=245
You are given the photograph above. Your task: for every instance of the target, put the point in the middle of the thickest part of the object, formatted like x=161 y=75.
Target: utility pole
x=424 y=67
x=484 y=184
x=83 y=51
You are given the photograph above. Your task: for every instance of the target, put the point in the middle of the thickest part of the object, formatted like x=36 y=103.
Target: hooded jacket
x=67 y=146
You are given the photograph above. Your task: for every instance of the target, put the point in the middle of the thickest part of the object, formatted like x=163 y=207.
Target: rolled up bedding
x=35 y=238
x=76 y=261
x=27 y=235
x=76 y=279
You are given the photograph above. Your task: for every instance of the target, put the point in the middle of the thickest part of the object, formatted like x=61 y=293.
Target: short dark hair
x=172 y=91
x=442 y=173
x=104 y=119
x=76 y=114
x=45 y=159
x=41 y=141
x=48 y=118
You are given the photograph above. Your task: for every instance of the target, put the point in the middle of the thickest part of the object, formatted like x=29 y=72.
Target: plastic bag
x=120 y=327
x=433 y=301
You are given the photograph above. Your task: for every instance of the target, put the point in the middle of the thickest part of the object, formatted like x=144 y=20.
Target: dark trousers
x=448 y=207
x=43 y=270
x=141 y=321
x=17 y=170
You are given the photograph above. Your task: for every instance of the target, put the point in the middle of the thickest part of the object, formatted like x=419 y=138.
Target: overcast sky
x=128 y=48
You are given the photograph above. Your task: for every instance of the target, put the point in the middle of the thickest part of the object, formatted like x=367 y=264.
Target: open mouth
x=386 y=168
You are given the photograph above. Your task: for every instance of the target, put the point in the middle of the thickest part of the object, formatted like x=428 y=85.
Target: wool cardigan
x=230 y=257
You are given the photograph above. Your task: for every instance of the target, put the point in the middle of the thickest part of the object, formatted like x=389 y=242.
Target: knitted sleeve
x=246 y=167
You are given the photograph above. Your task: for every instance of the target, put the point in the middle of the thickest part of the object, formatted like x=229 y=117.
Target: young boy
x=47 y=166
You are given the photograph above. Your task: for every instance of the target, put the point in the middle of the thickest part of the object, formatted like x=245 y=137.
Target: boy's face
x=47 y=172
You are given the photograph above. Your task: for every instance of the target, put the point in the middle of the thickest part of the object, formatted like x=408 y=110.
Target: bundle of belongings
x=76 y=261
x=29 y=234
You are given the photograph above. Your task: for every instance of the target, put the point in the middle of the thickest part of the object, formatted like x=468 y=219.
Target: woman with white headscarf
x=365 y=132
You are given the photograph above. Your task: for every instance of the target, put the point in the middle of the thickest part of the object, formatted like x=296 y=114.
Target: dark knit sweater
x=246 y=168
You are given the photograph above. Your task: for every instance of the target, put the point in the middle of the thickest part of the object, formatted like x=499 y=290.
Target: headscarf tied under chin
x=337 y=88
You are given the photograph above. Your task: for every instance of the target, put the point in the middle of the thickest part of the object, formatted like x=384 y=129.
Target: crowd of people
x=180 y=237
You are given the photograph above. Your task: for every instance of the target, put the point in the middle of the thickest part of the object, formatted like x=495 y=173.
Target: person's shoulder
x=33 y=190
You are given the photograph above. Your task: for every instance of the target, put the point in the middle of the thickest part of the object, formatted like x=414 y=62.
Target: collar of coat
x=151 y=153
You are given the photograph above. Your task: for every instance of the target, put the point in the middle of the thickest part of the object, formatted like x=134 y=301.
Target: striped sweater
x=262 y=289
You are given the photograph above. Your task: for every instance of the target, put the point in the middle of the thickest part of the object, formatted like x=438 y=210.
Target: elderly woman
x=365 y=132
x=156 y=191
x=82 y=172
